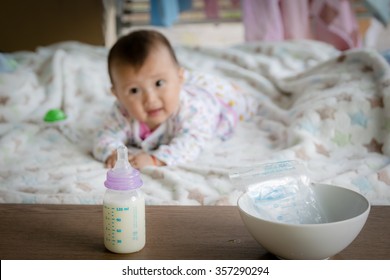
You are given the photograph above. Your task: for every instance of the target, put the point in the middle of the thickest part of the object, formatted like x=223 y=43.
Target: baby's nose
x=150 y=96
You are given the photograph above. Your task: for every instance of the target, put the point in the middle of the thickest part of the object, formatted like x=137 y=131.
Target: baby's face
x=151 y=94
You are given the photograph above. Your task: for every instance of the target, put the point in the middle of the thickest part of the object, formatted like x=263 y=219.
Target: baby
x=167 y=112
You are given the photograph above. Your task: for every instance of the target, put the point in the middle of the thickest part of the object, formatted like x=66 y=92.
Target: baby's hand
x=111 y=160
x=141 y=160
x=137 y=161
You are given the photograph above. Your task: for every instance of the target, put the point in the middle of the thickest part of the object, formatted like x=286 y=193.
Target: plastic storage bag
x=280 y=191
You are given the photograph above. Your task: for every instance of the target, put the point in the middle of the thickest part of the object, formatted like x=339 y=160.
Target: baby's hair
x=134 y=48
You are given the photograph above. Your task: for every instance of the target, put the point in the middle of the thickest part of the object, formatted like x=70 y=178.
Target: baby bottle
x=123 y=207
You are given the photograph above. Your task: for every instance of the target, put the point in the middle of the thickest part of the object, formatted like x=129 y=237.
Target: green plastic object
x=55 y=115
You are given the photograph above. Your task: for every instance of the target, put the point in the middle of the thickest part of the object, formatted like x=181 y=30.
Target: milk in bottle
x=123 y=207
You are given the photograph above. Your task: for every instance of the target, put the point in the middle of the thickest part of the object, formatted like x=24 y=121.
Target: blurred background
x=28 y=24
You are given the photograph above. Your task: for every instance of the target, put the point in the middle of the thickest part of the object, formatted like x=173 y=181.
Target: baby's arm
x=195 y=128
x=182 y=149
x=143 y=159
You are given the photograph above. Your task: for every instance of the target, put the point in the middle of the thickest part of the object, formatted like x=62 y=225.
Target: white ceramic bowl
x=346 y=212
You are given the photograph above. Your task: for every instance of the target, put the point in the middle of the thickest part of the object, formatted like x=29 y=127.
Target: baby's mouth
x=154 y=112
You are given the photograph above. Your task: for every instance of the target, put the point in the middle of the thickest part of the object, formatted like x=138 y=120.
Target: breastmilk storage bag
x=280 y=191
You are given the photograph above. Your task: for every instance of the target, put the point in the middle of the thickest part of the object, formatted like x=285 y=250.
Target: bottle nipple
x=123 y=176
x=122 y=162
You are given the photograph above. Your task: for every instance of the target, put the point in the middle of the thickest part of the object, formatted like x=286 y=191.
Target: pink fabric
x=262 y=20
x=331 y=21
x=144 y=131
x=334 y=22
x=295 y=19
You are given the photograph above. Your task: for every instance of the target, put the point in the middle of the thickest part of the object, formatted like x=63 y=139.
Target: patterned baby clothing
x=208 y=108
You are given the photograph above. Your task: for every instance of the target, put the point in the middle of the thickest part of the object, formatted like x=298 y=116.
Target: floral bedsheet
x=328 y=109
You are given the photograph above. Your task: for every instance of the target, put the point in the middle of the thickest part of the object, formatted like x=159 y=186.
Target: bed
x=326 y=108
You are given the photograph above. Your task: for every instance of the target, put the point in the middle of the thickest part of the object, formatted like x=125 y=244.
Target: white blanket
x=325 y=108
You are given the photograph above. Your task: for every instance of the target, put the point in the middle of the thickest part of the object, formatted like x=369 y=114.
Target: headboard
x=26 y=24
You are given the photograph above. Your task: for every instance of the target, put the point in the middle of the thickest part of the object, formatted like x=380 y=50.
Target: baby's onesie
x=207 y=109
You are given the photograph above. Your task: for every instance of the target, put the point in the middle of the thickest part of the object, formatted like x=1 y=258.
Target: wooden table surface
x=74 y=232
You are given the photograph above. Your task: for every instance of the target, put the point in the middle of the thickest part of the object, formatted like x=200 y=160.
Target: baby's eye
x=160 y=83
x=134 y=90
